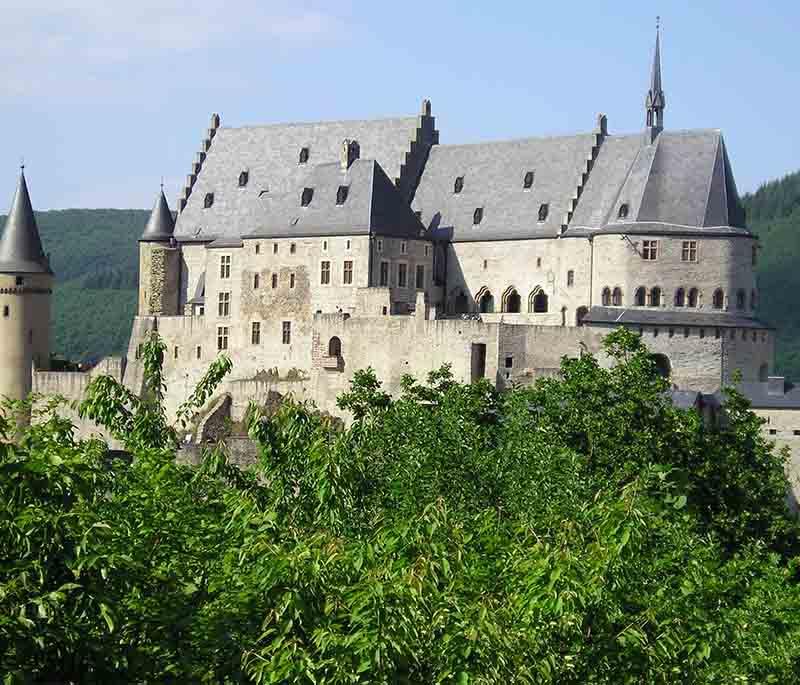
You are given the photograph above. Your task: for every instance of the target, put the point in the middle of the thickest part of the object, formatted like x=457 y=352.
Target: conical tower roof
x=20 y=247
x=160 y=225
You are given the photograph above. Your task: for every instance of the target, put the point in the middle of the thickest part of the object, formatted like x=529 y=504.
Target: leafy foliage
x=579 y=531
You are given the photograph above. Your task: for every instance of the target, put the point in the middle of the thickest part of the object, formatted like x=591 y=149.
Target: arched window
x=655 y=297
x=623 y=211
x=512 y=302
x=718 y=301
x=580 y=315
x=640 y=297
x=680 y=297
x=335 y=347
x=616 y=297
x=740 y=299
x=753 y=299
x=606 y=297
x=461 y=303
x=563 y=316
x=543 y=211
x=663 y=366
x=486 y=303
x=537 y=303
x=763 y=373
x=256 y=281
x=694 y=297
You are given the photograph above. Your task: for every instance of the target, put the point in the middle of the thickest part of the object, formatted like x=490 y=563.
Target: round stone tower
x=159 y=263
x=26 y=283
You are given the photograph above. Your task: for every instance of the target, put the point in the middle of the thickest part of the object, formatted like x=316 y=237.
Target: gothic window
x=694 y=298
x=334 y=347
x=222 y=337
x=255 y=333
x=458 y=186
x=274 y=281
x=640 y=297
x=486 y=303
x=208 y=200
x=286 y=332
x=513 y=304
x=304 y=153
x=306 y=197
x=606 y=297
x=244 y=177
x=623 y=211
x=616 y=297
x=477 y=216
x=543 y=211
x=570 y=278
x=655 y=297
x=325 y=273
x=740 y=299
x=341 y=194
x=347 y=273
x=224 y=304
x=718 y=301
x=527 y=182
x=539 y=303
x=680 y=297
x=650 y=250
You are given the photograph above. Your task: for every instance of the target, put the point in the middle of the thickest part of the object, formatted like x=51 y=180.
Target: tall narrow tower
x=656 y=101
x=26 y=284
x=159 y=263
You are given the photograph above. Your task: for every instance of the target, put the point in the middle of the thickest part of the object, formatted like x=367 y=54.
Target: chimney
x=776 y=385
x=350 y=153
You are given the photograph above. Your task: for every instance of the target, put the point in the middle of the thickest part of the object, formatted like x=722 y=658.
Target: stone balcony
x=332 y=363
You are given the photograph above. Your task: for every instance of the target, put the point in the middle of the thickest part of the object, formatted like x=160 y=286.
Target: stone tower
x=656 y=101
x=159 y=263
x=26 y=284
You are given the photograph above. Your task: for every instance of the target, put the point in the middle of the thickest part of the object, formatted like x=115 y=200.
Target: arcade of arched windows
x=688 y=297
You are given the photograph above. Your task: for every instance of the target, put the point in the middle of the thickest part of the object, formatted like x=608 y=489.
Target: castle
x=308 y=251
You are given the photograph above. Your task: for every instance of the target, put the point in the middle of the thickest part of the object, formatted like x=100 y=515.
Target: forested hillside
x=94 y=255
x=773 y=212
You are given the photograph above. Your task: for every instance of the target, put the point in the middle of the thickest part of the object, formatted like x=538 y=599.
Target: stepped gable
x=493 y=178
x=373 y=205
x=680 y=183
x=270 y=158
x=21 y=247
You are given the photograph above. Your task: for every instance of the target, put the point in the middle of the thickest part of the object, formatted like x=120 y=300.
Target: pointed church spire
x=20 y=247
x=161 y=225
x=656 y=101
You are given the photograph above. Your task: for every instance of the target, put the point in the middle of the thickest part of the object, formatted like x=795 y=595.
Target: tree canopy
x=583 y=530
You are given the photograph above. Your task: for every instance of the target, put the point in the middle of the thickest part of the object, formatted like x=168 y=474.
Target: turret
x=655 y=102
x=26 y=285
x=159 y=263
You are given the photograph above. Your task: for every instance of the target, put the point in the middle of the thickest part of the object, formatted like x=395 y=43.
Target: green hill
x=773 y=212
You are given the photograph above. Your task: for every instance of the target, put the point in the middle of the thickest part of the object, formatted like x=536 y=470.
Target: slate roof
x=682 y=182
x=373 y=205
x=21 y=247
x=664 y=317
x=160 y=225
x=760 y=398
x=493 y=179
x=270 y=155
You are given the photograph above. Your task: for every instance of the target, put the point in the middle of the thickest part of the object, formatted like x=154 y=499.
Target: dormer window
x=543 y=211
x=527 y=182
x=244 y=177
x=623 y=211
x=303 y=155
x=341 y=194
x=208 y=200
x=458 y=186
x=305 y=199
x=477 y=216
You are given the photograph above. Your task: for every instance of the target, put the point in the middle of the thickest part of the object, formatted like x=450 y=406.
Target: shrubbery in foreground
x=580 y=531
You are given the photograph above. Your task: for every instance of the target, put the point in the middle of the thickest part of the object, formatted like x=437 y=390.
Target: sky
x=104 y=98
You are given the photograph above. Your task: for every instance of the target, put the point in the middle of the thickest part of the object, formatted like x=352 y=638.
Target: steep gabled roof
x=160 y=225
x=21 y=247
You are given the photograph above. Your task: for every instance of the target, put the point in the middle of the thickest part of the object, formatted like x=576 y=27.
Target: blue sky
x=103 y=98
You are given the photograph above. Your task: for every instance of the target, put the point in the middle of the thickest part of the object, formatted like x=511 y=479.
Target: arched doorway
x=335 y=347
x=663 y=366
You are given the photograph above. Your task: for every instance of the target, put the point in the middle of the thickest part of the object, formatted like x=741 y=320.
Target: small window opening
x=256 y=281
x=20 y=281
x=616 y=297
x=292 y=248
x=543 y=211
x=198 y=352
x=623 y=211
x=509 y=362
x=341 y=194
x=291 y=280
x=304 y=153
x=208 y=200
x=306 y=197
x=258 y=248
x=477 y=216
x=274 y=281
x=274 y=248
x=527 y=182
x=570 y=278
x=458 y=186
x=244 y=177
x=6 y=311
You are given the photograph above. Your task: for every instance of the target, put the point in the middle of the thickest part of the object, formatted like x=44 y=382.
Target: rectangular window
x=347 y=245
x=274 y=248
x=380 y=245
x=403 y=247
x=291 y=280
x=222 y=338
x=199 y=352
x=255 y=333
x=224 y=304
x=427 y=250
x=347 y=274
x=384 y=281
x=175 y=352
x=225 y=266
x=402 y=275
x=286 y=332
x=274 y=280
x=6 y=311
x=325 y=273
x=755 y=255
x=570 y=278
x=689 y=251
x=649 y=250
x=420 y=277
x=256 y=281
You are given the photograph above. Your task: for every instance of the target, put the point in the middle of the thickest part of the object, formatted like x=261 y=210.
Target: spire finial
x=22 y=163
x=656 y=101
x=162 y=184
x=658 y=23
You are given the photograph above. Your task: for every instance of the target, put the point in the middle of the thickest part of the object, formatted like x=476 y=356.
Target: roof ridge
x=286 y=124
